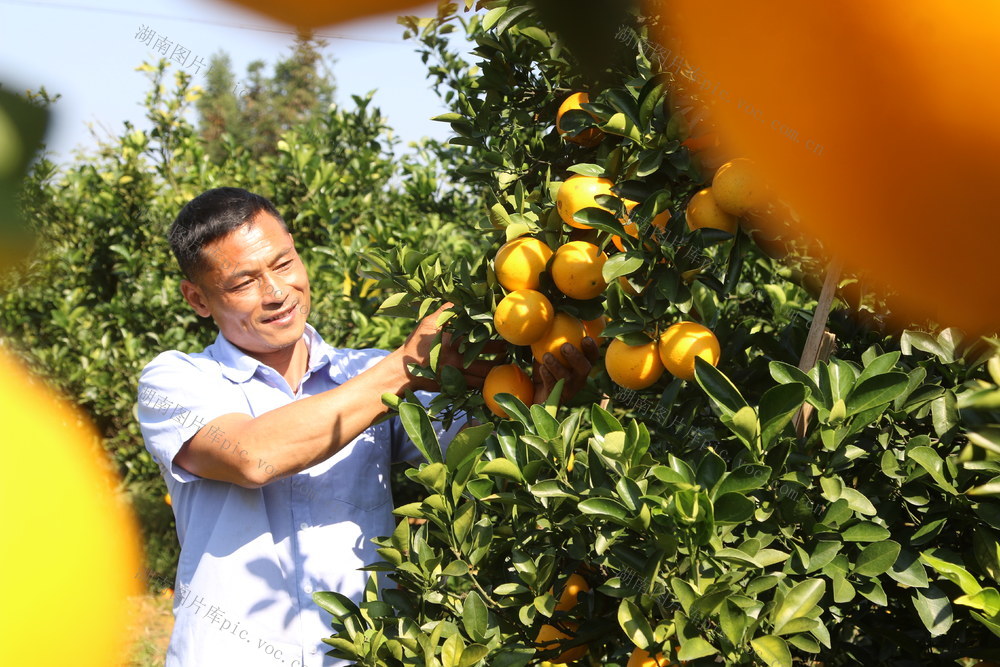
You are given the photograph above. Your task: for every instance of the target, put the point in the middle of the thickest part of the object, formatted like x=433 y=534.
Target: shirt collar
x=239 y=367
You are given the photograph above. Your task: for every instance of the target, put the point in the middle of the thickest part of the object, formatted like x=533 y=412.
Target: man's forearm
x=305 y=432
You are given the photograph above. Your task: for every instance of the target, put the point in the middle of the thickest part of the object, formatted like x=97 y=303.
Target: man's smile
x=283 y=316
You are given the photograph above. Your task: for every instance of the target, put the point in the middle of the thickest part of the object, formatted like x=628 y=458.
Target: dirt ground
x=151 y=625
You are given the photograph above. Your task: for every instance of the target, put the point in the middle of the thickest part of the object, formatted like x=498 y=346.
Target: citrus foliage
x=703 y=525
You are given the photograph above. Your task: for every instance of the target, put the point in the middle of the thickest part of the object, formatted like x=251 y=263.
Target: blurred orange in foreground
x=69 y=547
x=318 y=13
x=877 y=122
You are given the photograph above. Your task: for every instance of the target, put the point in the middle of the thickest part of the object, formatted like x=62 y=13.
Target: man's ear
x=193 y=295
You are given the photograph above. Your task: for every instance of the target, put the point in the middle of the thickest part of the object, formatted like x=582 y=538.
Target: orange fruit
x=523 y=316
x=565 y=329
x=843 y=169
x=595 y=328
x=641 y=658
x=586 y=138
x=76 y=506
x=167 y=500
x=632 y=229
x=507 y=379
x=575 y=585
x=704 y=212
x=576 y=270
x=577 y=192
x=519 y=263
x=738 y=189
x=682 y=342
x=633 y=366
x=313 y=14
x=550 y=637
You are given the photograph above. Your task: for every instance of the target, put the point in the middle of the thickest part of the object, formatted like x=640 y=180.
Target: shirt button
x=308 y=589
x=303 y=526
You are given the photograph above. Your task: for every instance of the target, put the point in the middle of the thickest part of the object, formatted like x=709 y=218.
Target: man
x=266 y=441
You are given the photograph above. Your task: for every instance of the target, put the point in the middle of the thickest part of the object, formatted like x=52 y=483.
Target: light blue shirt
x=252 y=558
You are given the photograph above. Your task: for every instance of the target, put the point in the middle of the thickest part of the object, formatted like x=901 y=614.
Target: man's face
x=253 y=275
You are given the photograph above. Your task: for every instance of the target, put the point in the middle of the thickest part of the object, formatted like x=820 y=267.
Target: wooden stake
x=819 y=342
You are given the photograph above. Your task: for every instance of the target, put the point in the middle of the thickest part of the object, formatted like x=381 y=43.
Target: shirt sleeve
x=178 y=396
x=403 y=448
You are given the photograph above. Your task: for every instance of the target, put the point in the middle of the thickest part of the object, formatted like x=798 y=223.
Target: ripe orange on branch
x=576 y=270
x=507 y=379
x=738 y=188
x=586 y=138
x=577 y=192
x=632 y=229
x=703 y=212
x=519 y=263
x=550 y=638
x=575 y=585
x=595 y=328
x=641 y=658
x=681 y=343
x=633 y=366
x=523 y=316
x=565 y=329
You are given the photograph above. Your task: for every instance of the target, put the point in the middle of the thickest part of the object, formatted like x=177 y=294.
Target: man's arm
x=305 y=432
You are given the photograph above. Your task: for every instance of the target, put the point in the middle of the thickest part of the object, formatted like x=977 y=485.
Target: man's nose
x=273 y=288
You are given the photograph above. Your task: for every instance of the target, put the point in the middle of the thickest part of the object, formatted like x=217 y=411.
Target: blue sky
x=87 y=51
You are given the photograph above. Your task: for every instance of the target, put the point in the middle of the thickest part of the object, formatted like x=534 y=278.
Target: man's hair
x=212 y=215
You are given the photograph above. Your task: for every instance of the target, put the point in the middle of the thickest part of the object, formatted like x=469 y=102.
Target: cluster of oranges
x=526 y=315
x=736 y=191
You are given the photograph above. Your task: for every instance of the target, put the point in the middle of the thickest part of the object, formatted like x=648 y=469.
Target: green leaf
x=603 y=421
x=986 y=600
x=718 y=387
x=865 y=531
x=339 y=605
x=934 y=610
x=744 y=424
x=475 y=616
x=908 y=570
x=787 y=374
x=634 y=623
x=952 y=572
x=798 y=602
x=418 y=426
x=621 y=264
x=695 y=648
x=777 y=407
x=622 y=126
x=502 y=468
x=745 y=478
x=733 y=508
x=473 y=654
x=930 y=461
x=464 y=444
x=545 y=424
x=772 y=650
x=875 y=391
x=878 y=366
x=876 y=558
x=605 y=508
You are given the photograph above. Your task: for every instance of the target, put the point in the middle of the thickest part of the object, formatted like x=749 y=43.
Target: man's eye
x=243 y=285
x=285 y=265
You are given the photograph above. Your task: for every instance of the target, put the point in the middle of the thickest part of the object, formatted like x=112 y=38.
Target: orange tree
x=704 y=525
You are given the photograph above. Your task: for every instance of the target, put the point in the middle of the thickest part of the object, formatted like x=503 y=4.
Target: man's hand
x=417 y=350
x=550 y=371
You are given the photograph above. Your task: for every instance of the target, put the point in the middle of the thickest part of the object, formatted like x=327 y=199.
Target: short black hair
x=212 y=215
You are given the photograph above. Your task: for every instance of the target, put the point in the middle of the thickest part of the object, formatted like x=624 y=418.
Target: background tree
x=254 y=112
